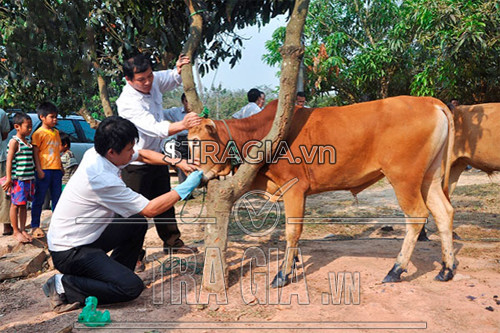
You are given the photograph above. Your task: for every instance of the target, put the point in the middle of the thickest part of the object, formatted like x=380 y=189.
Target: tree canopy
x=369 y=49
x=58 y=50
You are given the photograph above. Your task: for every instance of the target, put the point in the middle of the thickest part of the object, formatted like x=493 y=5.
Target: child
x=47 y=152
x=20 y=178
x=68 y=159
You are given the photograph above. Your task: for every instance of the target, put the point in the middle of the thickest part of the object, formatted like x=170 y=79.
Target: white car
x=80 y=133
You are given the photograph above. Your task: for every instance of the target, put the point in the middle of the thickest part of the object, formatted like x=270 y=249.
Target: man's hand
x=41 y=174
x=183 y=60
x=191 y=182
x=186 y=167
x=191 y=120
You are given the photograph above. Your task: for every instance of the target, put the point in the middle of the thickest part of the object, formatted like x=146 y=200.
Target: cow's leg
x=412 y=203
x=455 y=172
x=294 y=211
x=442 y=211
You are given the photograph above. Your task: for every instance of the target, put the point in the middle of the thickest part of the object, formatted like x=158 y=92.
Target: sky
x=250 y=71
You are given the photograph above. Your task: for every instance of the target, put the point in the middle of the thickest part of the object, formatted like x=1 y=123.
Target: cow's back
x=477 y=135
x=370 y=139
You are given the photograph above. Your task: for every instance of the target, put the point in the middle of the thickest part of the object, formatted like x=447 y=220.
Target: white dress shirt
x=146 y=111
x=248 y=110
x=89 y=202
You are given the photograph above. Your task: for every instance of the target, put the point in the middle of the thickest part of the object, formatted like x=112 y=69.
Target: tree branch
x=365 y=25
x=84 y=112
x=189 y=49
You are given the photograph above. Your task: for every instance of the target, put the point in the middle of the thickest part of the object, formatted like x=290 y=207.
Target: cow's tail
x=448 y=150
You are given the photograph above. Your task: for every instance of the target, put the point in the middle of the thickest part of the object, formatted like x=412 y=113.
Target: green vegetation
x=371 y=49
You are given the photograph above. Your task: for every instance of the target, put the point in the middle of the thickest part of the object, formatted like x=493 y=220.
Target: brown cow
x=477 y=136
x=402 y=138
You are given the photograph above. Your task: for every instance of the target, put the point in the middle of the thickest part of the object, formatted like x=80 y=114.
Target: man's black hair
x=46 y=108
x=137 y=64
x=253 y=95
x=301 y=94
x=19 y=118
x=65 y=139
x=114 y=133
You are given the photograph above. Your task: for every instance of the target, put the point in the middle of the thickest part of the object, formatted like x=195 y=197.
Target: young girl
x=68 y=159
x=20 y=178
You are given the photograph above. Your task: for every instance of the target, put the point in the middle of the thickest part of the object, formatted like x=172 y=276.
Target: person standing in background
x=254 y=96
x=4 y=199
x=20 y=176
x=301 y=99
x=47 y=152
x=68 y=159
x=262 y=100
x=141 y=103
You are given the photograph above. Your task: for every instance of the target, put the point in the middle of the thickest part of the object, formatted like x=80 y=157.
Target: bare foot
x=20 y=237
x=28 y=236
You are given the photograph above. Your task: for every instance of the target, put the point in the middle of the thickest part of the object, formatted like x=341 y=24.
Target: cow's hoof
x=446 y=274
x=422 y=237
x=280 y=280
x=394 y=274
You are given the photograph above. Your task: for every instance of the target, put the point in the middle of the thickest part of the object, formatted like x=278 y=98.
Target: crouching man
x=82 y=229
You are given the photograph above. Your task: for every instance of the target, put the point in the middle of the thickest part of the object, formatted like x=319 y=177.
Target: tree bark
x=222 y=194
x=189 y=49
x=384 y=83
x=84 y=112
x=101 y=82
x=103 y=92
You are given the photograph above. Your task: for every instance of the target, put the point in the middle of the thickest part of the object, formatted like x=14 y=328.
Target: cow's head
x=206 y=145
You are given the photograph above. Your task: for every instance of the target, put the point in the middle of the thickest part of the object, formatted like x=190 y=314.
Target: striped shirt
x=23 y=165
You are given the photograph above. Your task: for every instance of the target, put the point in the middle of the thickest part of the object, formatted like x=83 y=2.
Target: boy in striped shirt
x=20 y=178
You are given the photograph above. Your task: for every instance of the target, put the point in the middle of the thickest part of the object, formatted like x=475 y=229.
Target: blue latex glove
x=191 y=182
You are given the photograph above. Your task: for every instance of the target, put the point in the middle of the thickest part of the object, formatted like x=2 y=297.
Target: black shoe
x=57 y=301
x=140 y=266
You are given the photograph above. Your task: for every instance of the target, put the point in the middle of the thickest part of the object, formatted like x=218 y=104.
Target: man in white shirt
x=141 y=103
x=301 y=99
x=255 y=97
x=4 y=200
x=262 y=100
x=83 y=228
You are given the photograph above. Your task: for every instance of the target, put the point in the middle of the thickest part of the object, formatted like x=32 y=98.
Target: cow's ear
x=210 y=126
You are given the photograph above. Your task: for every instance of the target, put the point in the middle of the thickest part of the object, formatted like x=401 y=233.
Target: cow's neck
x=246 y=129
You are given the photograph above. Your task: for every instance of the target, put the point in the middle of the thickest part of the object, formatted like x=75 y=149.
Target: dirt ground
x=338 y=285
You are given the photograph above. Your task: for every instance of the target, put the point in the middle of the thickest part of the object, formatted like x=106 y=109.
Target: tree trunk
x=84 y=112
x=222 y=194
x=103 y=92
x=101 y=82
x=384 y=84
x=189 y=49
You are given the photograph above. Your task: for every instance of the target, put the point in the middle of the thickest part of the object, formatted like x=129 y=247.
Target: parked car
x=80 y=133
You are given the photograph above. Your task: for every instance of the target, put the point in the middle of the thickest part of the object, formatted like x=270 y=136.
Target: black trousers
x=152 y=181
x=89 y=271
